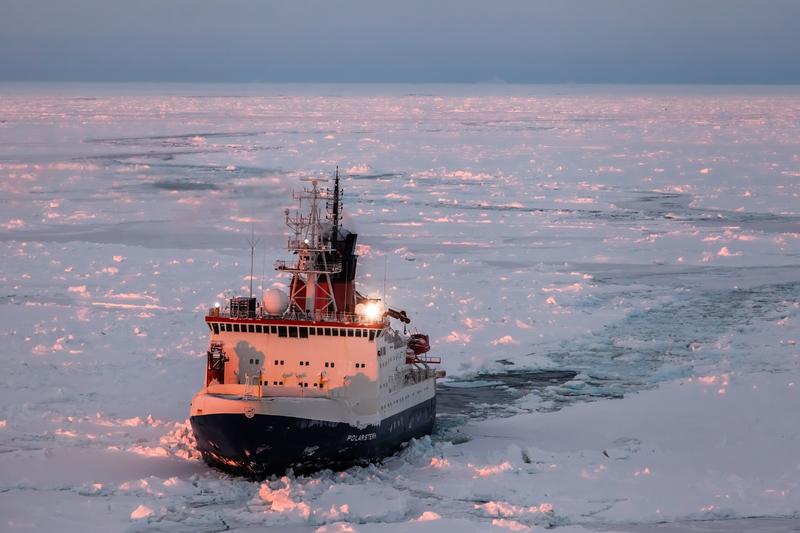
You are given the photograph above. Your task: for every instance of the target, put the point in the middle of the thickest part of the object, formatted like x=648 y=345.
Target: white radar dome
x=274 y=301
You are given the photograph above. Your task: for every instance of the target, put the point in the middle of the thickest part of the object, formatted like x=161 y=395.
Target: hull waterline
x=271 y=444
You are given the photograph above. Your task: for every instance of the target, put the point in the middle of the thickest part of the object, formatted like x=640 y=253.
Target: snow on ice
x=611 y=276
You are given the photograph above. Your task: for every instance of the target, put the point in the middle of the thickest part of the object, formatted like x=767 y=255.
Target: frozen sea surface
x=611 y=274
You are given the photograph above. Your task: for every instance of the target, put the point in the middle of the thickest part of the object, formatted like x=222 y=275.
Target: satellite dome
x=274 y=301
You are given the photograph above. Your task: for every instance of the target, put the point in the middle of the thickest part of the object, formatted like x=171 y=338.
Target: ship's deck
x=301 y=319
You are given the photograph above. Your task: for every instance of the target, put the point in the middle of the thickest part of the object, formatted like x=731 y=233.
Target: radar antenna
x=311 y=288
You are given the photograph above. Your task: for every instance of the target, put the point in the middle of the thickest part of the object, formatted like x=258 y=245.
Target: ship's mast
x=335 y=208
x=311 y=289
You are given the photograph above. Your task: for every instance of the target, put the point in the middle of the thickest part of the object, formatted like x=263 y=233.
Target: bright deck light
x=373 y=311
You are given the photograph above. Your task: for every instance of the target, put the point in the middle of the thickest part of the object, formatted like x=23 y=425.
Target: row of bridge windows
x=330 y=364
x=301 y=332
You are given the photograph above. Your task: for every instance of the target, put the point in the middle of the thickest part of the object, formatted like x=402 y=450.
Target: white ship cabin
x=258 y=353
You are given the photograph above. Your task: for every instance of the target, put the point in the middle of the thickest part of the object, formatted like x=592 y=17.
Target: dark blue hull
x=266 y=444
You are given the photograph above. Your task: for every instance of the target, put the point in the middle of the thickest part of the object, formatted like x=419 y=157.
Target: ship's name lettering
x=364 y=436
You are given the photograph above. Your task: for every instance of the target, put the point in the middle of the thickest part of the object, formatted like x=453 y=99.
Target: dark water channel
x=473 y=397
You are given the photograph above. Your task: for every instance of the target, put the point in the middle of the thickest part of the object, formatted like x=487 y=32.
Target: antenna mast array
x=253 y=242
x=311 y=288
x=334 y=206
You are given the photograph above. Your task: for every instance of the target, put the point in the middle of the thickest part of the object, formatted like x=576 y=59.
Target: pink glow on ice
x=504 y=340
x=15 y=223
x=491 y=470
x=142 y=512
x=439 y=463
x=428 y=516
x=280 y=500
x=511 y=525
x=725 y=252
x=458 y=337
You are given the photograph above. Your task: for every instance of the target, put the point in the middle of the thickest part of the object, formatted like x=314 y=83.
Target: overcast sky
x=599 y=41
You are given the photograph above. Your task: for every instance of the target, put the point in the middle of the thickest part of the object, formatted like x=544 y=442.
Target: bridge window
x=372 y=335
x=312 y=331
x=273 y=329
x=258 y=328
x=236 y=328
x=293 y=331
x=304 y=333
x=358 y=333
x=251 y=328
x=281 y=331
x=216 y=328
x=319 y=331
x=350 y=332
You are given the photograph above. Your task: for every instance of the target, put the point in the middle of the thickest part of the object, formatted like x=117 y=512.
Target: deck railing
x=302 y=316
